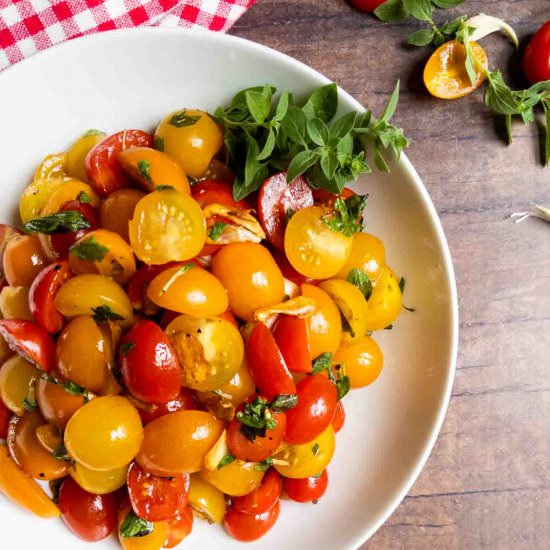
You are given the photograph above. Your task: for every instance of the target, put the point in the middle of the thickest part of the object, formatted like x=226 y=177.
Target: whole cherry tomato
x=30 y=341
x=266 y=364
x=23 y=259
x=290 y=333
x=185 y=401
x=536 y=60
x=249 y=527
x=339 y=417
x=263 y=498
x=277 y=202
x=367 y=6
x=90 y=517
x=5 y=415
x=179 y=528
x=55 y=403
x=42 y=294
x=317 y=398
x=309 y=489
x=118 y=209
x=148 y=363
x=104 y=172
x=155 y=498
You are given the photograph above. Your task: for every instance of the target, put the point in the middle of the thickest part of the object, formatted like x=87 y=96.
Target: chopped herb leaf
x=215 y=232
x=343 y=385
x=321 y=363
x=89 y=249
x=68 y=221
x=315 y=449
x=283 y=402
x=144 y=169
x=347 y=215
x=227 y=459
x=402 y=285
x=105 y=313
x=60 y=453
x=256 y=419
x=29 y=405
x=158 y=144
x=181 y=119
x=264 y=465
x=133 y=526
x=361 y=280
x=93 y=132
x=126 y=347
x=165 y=188
x=389 y=327
x=84 y=197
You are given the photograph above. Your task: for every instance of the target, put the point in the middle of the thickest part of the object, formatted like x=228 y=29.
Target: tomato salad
x=173 y=347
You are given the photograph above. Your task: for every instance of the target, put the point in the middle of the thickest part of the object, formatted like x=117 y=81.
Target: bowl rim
x=434 y=220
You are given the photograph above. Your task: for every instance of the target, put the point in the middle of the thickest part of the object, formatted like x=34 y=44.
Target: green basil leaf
x=126 y=347
x=252 y=165
x=216 y=231
x=284 y=402
x=301 y=163
x=133 y=526
x=391 y=11
x=345 y=145
x=282 y=106
x=322 y=362
x=89 y=249
x=268 y=147
x=343 y=126
x=422 y=37
x=144 y=169
x=329 y=163
x=294 y=124
x=445 y=4
x=361 y=280
x=105 y=313
x=317 y=131
x=264 y=465
x=181 y=119
x=227 y=459
x=83 y=197
x=68 y=221
x=419 y=9
x=380 y=161
x=546 y=106
x=158 y=143
x=259 y=105
x=389 y=110
x=322 y=103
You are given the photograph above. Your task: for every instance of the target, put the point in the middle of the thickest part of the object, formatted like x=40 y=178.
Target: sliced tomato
x=339 y=417
x=5 y=415
x=322 y=196
x=155 y=498
x=277 y=201
x=290 y=333
x=309 y=489
x=267 y=365
x=42 y=295
x=249 y=527
x=31 y=341
x=263 y=498
x=179 y=528
x=104 y=172
x=213 y=191
x=185 y=401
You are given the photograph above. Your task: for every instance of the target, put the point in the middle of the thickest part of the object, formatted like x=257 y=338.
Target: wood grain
x=487 y=482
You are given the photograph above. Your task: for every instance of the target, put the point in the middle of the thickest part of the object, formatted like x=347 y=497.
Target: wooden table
x=487 y=482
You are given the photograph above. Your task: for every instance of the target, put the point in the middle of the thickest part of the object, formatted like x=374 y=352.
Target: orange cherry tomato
x=367 y=254
x=363 y=361
x=118 y=209
x=179 y=528
x=339 y=417
x=137 y=287
x=152 y=540
x=445 y=73
x=23 y=260
x=72 y=190
x=309 y=489
x=263 y=498
x=151 y=168
x=290 y=333
x=249 y=527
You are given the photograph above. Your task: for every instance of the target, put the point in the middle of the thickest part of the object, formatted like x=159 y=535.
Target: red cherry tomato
x=61 y=242
x=155 y=498
x=249 y=527
x=90 y=517
x=30 y=341
x=102 y=168
x=339 y=417
x=216 y=192
x=137 y=287
x=42 y=294
x=179 y=528
x=266 y=364
x=148 y=364
x=261 y=447
x=277 y=200
x=185 y=401
x=263 y=498
x=312 y=415
x=5 y=415
x=287 y=270
x=322 y=196
x=309 y=489
x=536 y=60
x=367 y=6
x=290 y=333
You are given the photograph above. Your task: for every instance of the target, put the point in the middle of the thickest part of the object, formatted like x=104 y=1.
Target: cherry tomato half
x=148 y=363
x=339 y=417
x=155 y=498
x=263 y=498
x=212 y=191
x=290 y=333
x=309 y=489
x=247 y=527
x=30 y=341
x=185 y=401
x=536 y=60
x=179 y=528
x=104 y=172
x=90 y=517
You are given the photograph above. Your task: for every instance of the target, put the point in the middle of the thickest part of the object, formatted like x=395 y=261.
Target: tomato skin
x=290 y=333
x=90 y=517
x=536 y=60
x=368 y=6
x=309 y=489
x=185 y=401
x=5 y=415
x=287 y=270
x=211 y=191
x=22 y=260
x=263 y=498
x=56 y=405
x=179 y=528
x=30 y=341
x=42 y=294
x=155 y=498
x=317 y=398
x=339 y=417
x=149 y=368
x=276 y=198
x=118 y=209
x=137 y=287
x=102 y=168
x=266 y=364
x=248 y=527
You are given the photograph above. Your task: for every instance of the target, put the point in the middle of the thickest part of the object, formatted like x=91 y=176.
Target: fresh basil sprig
x=68 y=221
x=264 y=136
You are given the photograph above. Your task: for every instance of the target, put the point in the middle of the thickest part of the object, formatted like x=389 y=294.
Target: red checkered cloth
x=27 y=26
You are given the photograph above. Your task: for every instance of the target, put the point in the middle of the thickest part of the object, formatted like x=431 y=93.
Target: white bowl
x=130 y=79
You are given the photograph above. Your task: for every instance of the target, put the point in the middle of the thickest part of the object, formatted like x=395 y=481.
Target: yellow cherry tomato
x=68 y=192
x=302 y=461
x=152 y=541
x=96 y=482
x=191 y=138
x=206 y=501
x=14 y=303
x=324 y=327
x=352 y=305
x=151 y=168
x=236 y=479
x=312 y=247
x=111 y=256
x=76 y=155
x=16 y=375
x=367 y=254
x=167 y=226
x=83 y=294
x=22 y=489
x=210 y=350
x=178 y=442
x=385 y=302
x=251 y=277
x=105 y=434
x=23 y=260
x=362 y=361
x=49 y=176
x=445 y=73
x=188 y=289
x=118 y=209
